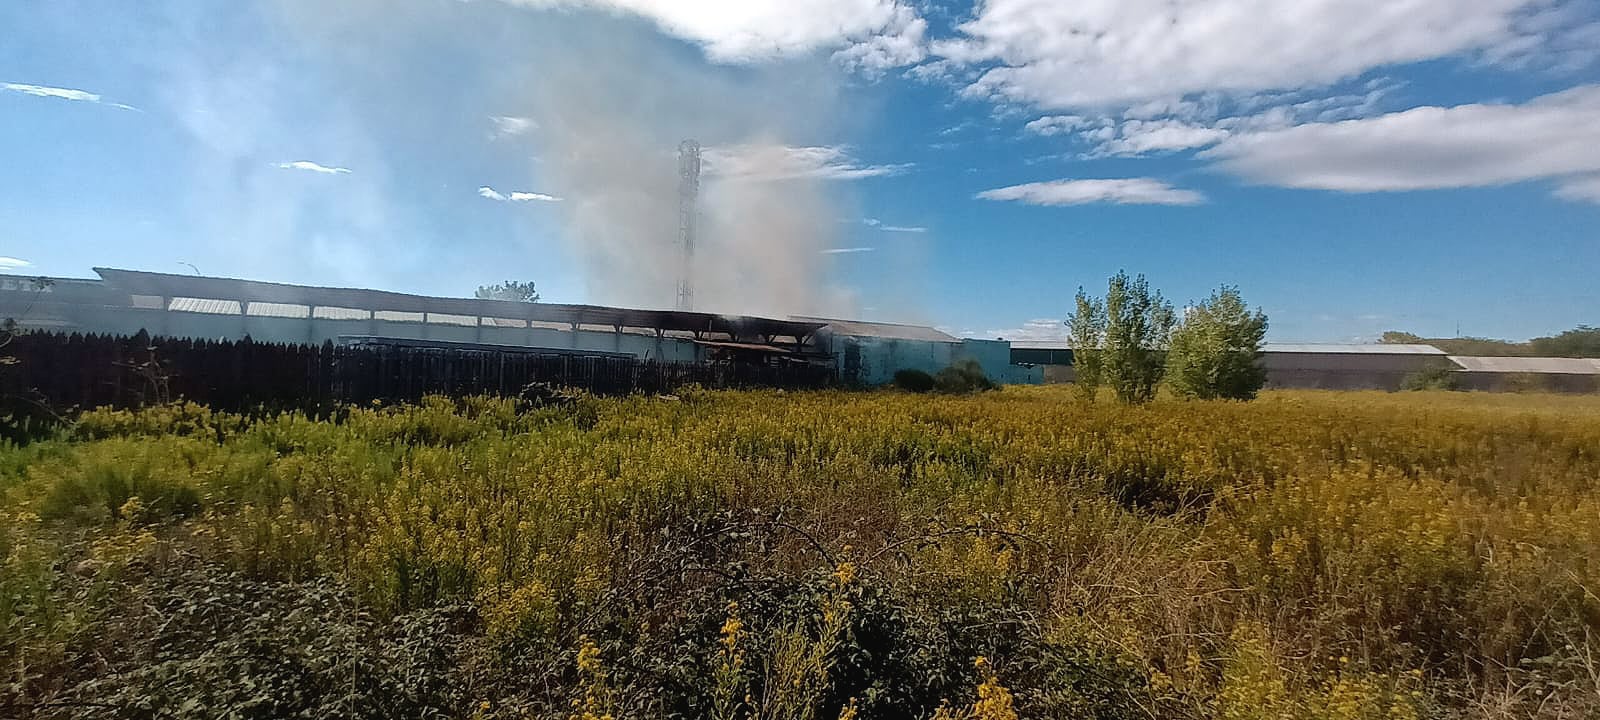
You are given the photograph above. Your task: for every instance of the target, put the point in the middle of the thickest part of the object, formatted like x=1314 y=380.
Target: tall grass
x=1306 y=555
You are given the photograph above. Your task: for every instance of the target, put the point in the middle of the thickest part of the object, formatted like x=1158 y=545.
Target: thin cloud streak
x=1118 y=191
x=71 y=94
x=878 y=224
x=313 y=167
x=846 y=251
x=515 y=196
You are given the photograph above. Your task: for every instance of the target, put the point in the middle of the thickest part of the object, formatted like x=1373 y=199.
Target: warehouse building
x=1500 y=374
x=869 y=353
x=123 y=302
x=1329 y=366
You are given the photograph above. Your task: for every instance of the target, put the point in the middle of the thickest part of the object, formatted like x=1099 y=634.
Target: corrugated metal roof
x=1541 y=365
x=327 y=312
x=1352 y=349
x=204 y=305
x=282 y=310
x=888 y=331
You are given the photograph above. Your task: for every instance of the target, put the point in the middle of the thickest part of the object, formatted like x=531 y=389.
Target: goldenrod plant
x=821 y=555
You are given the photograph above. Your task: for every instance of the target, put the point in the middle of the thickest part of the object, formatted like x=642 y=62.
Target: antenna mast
x=688 y=195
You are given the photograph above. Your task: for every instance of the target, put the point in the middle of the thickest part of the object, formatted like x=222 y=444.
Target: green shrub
x=911 y=380
x=966 y=376
x=1434 y=376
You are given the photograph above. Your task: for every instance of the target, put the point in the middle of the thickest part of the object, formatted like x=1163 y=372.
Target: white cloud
x=512 y=125
x=1584 y=189
x=901 y=44
x=1103 y=53
x=1035 y=330
x=11 y=263
x=313 y=167
x=780 y=162
x=876 y=223
x=515 y=196
x=1056 y=124
x=874 y=34
x=1119 y=191
x=1423 y=148
x=846 y=251
x=1143 y=136
x=61 y=94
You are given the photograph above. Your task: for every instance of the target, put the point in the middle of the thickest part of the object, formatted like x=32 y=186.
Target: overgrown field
x=812 y=556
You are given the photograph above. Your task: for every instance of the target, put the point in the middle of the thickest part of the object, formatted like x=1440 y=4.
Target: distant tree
x=1138 y=327
x=1086 y=329
x=509 y=290
x=1216 y=349
x=1582 y=341
x=1396 y=337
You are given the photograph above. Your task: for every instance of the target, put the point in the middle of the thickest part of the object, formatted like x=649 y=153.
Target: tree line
x=1582 y=341
x=1133 y=341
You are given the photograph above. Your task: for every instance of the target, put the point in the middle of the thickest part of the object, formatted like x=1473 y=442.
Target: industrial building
x=1332 y=366
x=1289 y=365
x=123 y=302
x=1527 y=373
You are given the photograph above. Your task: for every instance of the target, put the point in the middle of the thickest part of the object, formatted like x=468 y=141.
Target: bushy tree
x=1216 y=350
x=1138 y=327
x=1086 y=329
x=1582 y=341
x=511 y=290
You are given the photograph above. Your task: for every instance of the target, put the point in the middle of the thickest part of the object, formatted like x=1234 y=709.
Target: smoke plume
x=608 y=132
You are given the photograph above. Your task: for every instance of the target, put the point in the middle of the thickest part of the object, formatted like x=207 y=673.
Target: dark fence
x=85 y=371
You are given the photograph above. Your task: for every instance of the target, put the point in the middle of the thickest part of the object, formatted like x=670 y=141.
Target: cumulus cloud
x=781 y=162
x=45 y=91
x=1056 y=124
x=1475 y=145
x=11 y=263
x=1136 y=137
x=515 y=196
x=313 y=167
x=873 y=34
x=512 y=125
x=1104 y=53
x=1118 y=191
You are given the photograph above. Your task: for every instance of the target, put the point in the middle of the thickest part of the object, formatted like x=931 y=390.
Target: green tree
x=1216 y=350
x=1397 y=337
x=1582 y=341
x=1086 y=329
x=511 y=290
x=1138 y=327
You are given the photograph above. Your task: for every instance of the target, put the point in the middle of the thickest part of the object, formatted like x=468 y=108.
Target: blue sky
x=1353 y=166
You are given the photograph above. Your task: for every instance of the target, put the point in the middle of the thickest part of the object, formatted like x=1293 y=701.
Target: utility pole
x=688 y=196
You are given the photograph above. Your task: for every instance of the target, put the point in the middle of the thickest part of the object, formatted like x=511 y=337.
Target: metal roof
x=1352 y=349
x=204 y=305
x=1040 y=346
x=1541 y=365
x=887 y=331
x=227 y=289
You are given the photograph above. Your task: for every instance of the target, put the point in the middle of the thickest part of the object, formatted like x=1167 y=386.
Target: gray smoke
x=609 y=129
